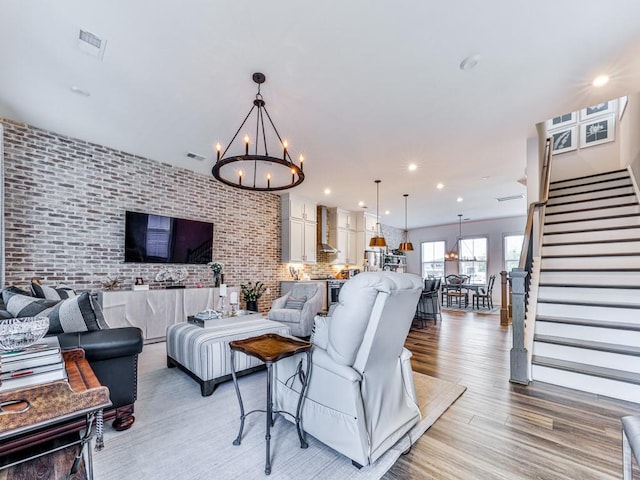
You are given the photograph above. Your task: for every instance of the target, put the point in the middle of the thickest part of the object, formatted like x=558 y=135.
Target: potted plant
x=218 y=276
x=251 y=293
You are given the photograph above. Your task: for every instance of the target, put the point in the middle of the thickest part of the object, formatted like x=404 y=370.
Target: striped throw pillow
x=293 y=303
x=76 y=314
x=52 y=293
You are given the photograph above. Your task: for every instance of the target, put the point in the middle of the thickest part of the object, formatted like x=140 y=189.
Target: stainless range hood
x=323 y=231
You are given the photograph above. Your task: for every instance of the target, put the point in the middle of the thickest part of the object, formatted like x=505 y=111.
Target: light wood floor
x=499 y=430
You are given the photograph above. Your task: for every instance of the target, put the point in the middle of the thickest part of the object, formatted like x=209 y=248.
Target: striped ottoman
x=204 y=353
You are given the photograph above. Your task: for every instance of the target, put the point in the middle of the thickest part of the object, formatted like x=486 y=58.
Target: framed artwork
x=597 y=131
x=564 y=140
x=597 y=110
x=562 y=120
x=622 y=106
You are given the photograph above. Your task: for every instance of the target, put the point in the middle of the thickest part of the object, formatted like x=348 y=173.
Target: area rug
x=178 y=434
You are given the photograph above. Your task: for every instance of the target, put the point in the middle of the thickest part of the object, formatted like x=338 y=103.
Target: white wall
x=588 y=161
x=494 y=230
x=629 y=138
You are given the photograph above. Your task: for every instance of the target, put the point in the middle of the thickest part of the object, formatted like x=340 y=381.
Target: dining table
x=476 y=287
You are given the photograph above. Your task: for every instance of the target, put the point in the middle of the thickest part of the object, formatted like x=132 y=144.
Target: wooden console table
x=31 y=418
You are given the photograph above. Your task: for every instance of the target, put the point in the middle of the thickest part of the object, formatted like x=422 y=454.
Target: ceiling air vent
x=512 y=197
x=91 y=44
x=195 y=156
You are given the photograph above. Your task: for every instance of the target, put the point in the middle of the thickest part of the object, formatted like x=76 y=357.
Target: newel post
x=518 y=354
x=504 y=300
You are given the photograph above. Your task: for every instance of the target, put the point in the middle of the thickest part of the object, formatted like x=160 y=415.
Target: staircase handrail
x=521 y=279
x=526 y=255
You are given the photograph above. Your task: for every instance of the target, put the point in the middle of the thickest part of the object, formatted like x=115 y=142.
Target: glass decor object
x=19 y=333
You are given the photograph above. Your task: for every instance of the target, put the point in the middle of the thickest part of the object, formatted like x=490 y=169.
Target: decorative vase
x=252 y=305
x=218 y=279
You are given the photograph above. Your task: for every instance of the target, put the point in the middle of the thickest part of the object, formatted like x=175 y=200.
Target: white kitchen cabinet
x=366 y=222
x=294 y=206
x=343 y=236
x=366 y=228
x=299 y=227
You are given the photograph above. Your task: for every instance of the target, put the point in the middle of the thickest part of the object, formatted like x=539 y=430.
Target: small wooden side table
x=33 y=415
x=270 y=348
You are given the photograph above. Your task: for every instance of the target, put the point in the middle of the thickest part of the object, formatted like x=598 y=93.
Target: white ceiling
x=361 y=87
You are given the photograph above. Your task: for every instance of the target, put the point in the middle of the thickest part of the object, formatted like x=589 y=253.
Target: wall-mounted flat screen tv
x=159 y=239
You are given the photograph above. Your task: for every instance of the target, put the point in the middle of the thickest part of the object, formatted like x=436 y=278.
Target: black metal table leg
x=305 y=382
x=267 y=437
x=235 y=384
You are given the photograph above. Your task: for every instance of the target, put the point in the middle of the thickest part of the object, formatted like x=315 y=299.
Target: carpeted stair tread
x=624 y=174
x=586 y=285
x=601 y=270
x=605 y=189
x=591 y=209
x=589 y=304
x=585 y=322
x=581 y=368
x=578 y=220
x=609 y=197
x=587 y=230
x=593 y=242
x=589 y=345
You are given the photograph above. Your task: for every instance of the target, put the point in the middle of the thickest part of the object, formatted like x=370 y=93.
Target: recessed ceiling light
x=387 y=212
x=440 y=186
x=459 y=199
x=327 y=191
x=79 y=91
x=412 y=167
x=361 y=203
x=600 y=81
x=470 y=62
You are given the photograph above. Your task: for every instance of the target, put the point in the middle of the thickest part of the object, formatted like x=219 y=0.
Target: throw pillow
x=293 y=303
x=20 y=305
x=50 y=293
x=75 y=314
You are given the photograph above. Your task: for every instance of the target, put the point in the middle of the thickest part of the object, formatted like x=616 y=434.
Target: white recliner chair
x=361 y=398
x=297 y=308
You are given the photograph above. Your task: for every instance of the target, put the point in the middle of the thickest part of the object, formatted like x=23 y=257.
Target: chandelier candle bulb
x=246 y=144
x=268 y=180
x=284 y=154
x=239 y=177
x=218 y=148
x=301 y=160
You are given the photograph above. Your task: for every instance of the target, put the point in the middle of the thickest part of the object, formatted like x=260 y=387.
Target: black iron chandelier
x=453 y=254
x=258 y=171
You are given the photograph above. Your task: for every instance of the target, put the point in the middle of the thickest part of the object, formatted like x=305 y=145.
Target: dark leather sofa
x=113 y=356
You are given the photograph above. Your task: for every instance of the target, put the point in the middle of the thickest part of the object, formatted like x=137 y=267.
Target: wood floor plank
x=499 y=430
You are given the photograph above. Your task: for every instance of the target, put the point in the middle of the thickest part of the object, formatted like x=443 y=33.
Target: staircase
x=587 y=330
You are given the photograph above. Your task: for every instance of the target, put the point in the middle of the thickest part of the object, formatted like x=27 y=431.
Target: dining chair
x=485 y=295
x=455 y=289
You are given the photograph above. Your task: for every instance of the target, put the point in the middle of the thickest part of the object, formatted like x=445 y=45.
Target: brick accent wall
x=65 y=203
